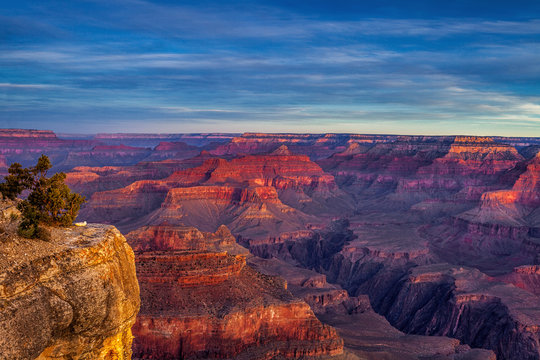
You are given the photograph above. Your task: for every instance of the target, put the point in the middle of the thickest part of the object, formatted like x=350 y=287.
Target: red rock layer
x=379 y=169
x=183 y=269
x=252 y=210
x=245 y=193
x=200 y=304
x=166 y=237
x=505 y=222
x=23 y=133
x=526 y=277
x=88 y=180
x=525 y=192
x=316 y=146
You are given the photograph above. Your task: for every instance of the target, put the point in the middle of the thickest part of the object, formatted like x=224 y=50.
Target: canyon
x=317 y=245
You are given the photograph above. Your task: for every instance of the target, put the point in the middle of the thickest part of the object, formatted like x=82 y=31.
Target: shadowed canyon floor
x=412 y=247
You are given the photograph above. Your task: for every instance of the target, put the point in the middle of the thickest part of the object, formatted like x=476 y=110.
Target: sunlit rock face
x=371 y=231
x=471 y=166
x=73 y=297
x=526 y=277
x=201 y=300
x=88 y=180
x=256 y=195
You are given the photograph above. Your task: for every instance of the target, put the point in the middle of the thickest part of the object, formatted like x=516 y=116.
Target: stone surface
x=367 y=213
x=201 y=302
x=75 y=297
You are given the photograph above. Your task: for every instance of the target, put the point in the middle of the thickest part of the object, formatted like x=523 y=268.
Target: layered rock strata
x=202 y=303
x=74 y=297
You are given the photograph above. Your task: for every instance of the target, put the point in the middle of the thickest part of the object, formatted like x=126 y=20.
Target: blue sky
x=415 y=67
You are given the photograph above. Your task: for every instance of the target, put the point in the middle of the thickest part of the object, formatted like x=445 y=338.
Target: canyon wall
x=73 y=297
x=200 y=300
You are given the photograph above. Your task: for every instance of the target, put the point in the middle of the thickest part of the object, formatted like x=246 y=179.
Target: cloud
x=214 y=62
x=26 y=86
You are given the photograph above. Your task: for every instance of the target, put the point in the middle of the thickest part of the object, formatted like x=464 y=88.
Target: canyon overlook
x=73 y=297
x=344 y=246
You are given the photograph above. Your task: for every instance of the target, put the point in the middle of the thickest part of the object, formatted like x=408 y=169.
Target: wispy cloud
x=210 y=62
x=27 y=86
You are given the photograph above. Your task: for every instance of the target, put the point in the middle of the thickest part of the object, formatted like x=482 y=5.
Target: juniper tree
x=50 y=201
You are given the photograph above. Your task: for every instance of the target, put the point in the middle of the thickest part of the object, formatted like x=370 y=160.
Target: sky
x=391 y=66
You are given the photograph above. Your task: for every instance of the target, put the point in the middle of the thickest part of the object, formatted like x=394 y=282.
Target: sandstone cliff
x=74 y=297
x=202 y=302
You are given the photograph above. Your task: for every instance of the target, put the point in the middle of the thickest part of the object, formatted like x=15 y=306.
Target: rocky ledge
x=73 y=297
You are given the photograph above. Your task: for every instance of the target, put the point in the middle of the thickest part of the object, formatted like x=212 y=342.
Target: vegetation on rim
x=49 y=201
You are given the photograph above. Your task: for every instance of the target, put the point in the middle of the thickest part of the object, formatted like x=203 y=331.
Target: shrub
x=50 y=200
x=16 y=182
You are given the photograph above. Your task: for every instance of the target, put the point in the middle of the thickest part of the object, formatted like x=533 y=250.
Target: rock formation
x=365 y=333
x=106 y=155
x=256 y=194
x=74 y=297
x=408 y=284
x=440 y=234
x=199 y=301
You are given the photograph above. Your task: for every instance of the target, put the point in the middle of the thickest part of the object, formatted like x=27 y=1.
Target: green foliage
x=50 y=200
x=16 y=182
x=31 y=218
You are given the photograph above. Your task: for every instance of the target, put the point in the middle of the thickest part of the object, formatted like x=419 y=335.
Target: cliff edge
x=73 y=297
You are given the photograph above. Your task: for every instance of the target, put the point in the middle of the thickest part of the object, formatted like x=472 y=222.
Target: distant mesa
x=282 y=150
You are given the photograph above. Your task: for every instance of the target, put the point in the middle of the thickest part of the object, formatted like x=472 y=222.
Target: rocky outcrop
x=167 y=237
x=207 y=303
x=526 y=277
x=260 y=195
x=378 y=169
x=74 y=297
x=407 y=284
x=88 y=180
x=470 y=162
x=463 y=303
x=500 y=233
x=516 y=206
x=365 y=333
